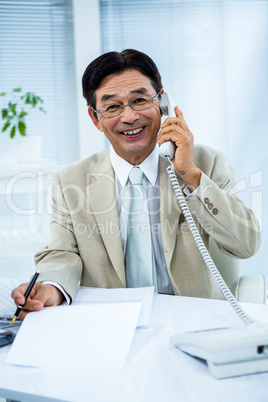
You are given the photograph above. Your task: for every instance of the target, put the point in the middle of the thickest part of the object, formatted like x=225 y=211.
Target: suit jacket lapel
x=102 y=198
x=170 y=212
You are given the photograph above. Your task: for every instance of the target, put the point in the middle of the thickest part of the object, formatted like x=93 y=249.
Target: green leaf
x=3 y=93
x=13 y=132
x=22 y=114
x=22 y=127
x=17 y=90
x=4 y=113
x=13 y=108
x=6 y=126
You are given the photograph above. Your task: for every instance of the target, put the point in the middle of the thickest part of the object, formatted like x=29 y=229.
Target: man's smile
x=133 y=131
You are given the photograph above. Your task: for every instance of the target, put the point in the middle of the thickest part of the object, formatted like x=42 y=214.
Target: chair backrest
x=246 y=288
x=230 y=268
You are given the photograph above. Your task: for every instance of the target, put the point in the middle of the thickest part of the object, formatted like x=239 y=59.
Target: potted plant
x=14 y=114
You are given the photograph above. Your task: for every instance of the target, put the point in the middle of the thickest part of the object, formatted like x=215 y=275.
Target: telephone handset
x=230 y=363
x=167 y=149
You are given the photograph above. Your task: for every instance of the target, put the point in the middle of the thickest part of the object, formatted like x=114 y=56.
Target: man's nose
x=128 y=114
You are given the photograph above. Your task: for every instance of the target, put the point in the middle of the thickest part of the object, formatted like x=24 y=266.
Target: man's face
x=132 y=133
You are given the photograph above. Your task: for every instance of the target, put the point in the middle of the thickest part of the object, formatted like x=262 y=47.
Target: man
x=91 y=204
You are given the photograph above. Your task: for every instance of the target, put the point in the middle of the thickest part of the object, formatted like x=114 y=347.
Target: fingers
x=180 y=116
x=18 y=294
x=174 y=128
x=171 y=132
x=34 y=301
x=179 y=120
x=40 y=296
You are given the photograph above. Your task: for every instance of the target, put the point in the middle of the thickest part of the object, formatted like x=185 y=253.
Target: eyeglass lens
x=115 y=109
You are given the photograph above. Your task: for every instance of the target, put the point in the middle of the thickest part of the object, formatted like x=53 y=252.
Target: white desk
x=155 y=371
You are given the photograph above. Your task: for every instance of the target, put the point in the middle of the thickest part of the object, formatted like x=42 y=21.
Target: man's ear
x=93 y=117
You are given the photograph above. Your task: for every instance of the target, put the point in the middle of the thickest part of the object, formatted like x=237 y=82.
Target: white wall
x=87 y=46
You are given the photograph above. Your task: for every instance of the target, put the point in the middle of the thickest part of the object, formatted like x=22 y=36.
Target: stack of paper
x=94 y=333
x=100 y=295
x=91 y=336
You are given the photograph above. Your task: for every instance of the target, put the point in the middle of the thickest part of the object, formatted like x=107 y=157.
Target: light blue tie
x=139 y=262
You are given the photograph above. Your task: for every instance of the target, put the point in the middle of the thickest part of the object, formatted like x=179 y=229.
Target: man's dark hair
x=117 y=63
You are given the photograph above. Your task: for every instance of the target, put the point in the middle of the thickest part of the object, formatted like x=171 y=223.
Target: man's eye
x=111 y=108
x=139 y=101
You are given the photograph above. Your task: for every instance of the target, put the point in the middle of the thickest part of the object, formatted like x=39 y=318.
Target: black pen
x=26 y=295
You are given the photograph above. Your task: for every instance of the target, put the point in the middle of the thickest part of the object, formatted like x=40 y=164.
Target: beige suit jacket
x=85 y=242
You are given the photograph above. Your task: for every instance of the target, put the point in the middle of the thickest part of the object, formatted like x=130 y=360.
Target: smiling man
x=98 y=237
x=132 y=134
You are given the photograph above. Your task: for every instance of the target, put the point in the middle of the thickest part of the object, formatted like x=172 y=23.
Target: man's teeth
x=131 y=132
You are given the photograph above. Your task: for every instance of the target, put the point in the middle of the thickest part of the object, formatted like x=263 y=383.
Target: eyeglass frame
x=127 y=104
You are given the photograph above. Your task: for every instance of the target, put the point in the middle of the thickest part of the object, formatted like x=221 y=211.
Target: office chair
x=246 y=288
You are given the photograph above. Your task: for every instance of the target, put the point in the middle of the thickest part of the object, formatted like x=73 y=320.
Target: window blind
x=36 y=54
x=213 y=58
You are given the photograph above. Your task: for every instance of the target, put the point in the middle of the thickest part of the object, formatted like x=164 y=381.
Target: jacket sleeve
x=60 y=261
x=221 y=213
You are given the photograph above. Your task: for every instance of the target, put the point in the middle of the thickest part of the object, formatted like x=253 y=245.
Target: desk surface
x=154 y=371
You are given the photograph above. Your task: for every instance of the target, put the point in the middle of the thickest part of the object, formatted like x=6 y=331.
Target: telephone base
x=236 y=369
x=229 y=352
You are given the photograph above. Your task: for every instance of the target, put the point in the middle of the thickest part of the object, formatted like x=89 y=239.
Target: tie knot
x=135 y=176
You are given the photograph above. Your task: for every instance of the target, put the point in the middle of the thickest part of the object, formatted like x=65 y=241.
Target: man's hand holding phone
x=176 y=130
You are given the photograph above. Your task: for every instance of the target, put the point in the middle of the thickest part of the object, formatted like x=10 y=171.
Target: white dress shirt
x=150 y=169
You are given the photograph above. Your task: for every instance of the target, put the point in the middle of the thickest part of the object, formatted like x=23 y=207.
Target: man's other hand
x=40 y=296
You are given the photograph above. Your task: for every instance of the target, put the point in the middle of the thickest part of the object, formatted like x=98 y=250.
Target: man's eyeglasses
x=115 y=109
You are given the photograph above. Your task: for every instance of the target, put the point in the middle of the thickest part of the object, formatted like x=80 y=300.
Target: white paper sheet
x=100 y=295
x=92 y=336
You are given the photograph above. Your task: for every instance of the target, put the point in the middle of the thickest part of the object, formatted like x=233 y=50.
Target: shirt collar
x=149 y=166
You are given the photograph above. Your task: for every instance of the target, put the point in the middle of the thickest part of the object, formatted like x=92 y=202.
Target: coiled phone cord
x=202 y=248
